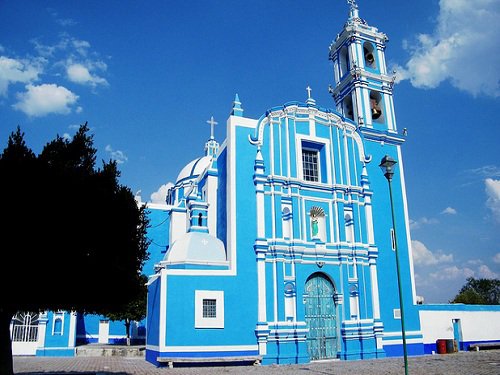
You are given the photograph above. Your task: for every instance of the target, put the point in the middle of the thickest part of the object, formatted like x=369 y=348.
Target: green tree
x=133 y=311
x=479 y=292
x=73 y=237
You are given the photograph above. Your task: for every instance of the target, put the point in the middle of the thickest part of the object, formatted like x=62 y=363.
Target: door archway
x=321 y=317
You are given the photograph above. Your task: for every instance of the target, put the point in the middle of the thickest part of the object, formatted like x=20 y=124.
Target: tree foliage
x=73 y=237
x=133 y=311
x=479 y=292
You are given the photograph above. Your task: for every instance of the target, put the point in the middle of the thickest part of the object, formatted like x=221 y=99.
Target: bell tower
x=363 y=89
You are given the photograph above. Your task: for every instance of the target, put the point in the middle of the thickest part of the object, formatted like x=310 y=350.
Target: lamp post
x=387 y=166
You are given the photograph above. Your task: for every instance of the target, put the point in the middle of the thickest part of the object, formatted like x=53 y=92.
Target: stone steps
x=96 y=350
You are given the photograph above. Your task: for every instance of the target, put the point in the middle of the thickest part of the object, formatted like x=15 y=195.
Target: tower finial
x=237 y=110
x=353 y=11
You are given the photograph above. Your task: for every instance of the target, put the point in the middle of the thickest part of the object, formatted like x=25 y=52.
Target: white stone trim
x=407 y=225
x=162 y=325
x=298 y=146
x=398 y=334
x=58 y=315
x=72 y=330
x=400 y=341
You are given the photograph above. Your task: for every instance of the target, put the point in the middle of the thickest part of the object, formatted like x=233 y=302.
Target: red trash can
x=441 y=346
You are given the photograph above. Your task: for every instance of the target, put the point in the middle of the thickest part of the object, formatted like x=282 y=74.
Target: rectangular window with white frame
x=397 y=313
x=209 y=309
x=313 y=159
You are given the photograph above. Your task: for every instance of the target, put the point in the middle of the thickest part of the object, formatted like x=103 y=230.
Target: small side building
x=466 y=324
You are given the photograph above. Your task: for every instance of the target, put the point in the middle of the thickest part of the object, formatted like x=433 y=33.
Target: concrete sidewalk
x=466 y=363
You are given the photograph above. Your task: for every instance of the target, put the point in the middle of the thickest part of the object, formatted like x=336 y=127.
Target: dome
x=196 y=248
x=194 y=168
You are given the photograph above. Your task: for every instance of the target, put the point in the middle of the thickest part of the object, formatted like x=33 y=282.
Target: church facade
x=281 y=244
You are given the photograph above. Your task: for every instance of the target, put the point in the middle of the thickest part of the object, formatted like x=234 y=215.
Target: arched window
x=200 y=219
x=58 y=326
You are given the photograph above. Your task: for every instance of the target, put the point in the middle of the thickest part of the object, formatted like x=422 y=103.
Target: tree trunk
x=127 y=328
x=6 y=367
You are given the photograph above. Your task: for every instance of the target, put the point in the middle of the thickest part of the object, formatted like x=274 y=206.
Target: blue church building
x=277 y=245
x=281 y=244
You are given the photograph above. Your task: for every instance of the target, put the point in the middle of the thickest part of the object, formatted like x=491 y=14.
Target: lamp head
x=387 y=166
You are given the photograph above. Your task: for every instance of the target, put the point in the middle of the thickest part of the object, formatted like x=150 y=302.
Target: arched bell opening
x=376 y=106
x=348 y=108
x=344 y=61
x=369 y=55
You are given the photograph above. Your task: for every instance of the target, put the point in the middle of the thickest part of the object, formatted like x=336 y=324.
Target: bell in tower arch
x=375 y=105
x=369 y=55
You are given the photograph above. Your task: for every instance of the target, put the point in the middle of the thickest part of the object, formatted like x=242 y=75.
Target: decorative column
x=42 y=329
x=372 y=259
x=260 y=247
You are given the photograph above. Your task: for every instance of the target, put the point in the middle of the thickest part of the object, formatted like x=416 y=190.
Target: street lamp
x=387 y=166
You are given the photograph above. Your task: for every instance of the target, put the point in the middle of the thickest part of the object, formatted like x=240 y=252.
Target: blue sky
x=147 y=75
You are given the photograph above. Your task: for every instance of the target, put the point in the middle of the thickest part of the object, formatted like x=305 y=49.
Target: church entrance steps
x=100 y=350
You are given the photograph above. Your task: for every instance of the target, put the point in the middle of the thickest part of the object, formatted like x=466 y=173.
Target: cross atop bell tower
x=363 y=90
x=353 y=13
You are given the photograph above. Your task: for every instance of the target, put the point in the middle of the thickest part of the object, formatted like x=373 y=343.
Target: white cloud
x=452 y=273
x=423 y=256
x=484 y=272
x=457 y=49
x=493 y=193
x=486 y=171
x=117 y=155
x=61 y=21
x=79 y=73
x=439 y=276
x=417 y=224
x=14 y=70
x=81 y=46
x=81 y=65
x=44 y=99
x=449 y=211
x=160 y=195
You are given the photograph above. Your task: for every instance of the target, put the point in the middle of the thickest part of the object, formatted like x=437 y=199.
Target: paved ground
x=466 y=363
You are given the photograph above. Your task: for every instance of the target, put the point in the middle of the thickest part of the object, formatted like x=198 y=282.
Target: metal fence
x=25 y=333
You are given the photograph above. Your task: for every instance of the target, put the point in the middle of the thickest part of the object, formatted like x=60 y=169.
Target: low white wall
x=475 y=325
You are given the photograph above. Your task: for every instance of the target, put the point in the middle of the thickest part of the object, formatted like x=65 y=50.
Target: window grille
x=209 y=308
x=310 y=165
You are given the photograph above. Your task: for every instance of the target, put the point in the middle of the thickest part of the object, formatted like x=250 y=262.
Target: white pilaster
x=72 y=330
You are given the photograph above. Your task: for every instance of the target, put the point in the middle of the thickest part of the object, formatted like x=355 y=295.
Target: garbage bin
x=441 y=346
x=450 y=346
